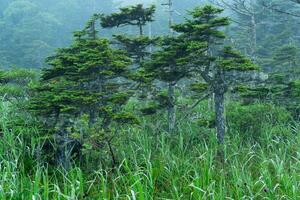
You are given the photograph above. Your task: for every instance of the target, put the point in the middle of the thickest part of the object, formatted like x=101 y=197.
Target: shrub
x=249 y=120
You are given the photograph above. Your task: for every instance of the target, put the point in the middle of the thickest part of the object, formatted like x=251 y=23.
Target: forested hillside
x=31 y=30
x=149 y=99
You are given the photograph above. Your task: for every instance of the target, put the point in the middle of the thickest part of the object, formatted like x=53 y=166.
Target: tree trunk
x=112 y=154
x=211 y=101
x=254 y=37
x=93 y=31
x=220 y=115
x=141 y=29
x=64 y=148
x=171 y=109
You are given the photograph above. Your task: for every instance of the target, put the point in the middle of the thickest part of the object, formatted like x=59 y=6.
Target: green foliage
x=150 y=109
x=286 y=55
x=199 y=87
x=208 y=55
x=119 y=98
x=96 y=111
x=137 y=16
x=205 y=21
x=18 y=74
x=159 y=102
x=209 y=59
x=11 y=91
x=87 y=78
x=81 y=77
x=294 y=88
x=132 y=15
x=16 y=83
x=233 y=60
x=208 y=121
x=136 y=47
x=250 y=121
x=252 y=95
x=169 y=63
x=125 y=118
x=155 y=166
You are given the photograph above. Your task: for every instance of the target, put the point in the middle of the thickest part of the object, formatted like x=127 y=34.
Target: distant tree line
x=31 y=30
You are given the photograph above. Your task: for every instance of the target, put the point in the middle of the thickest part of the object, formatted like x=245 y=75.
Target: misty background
x=31 y=30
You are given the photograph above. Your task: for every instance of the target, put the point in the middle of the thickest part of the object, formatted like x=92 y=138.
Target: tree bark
x=254 y=37
x=64 y=148
x=93 y=31
x=112 y=154
x=141 y=29
x=220 y=115
x=171 y=109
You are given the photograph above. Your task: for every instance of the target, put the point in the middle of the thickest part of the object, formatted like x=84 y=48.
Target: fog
x=132 y=2
x=30 y=30
x=33 y=29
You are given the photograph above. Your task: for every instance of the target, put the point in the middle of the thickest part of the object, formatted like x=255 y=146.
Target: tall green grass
x=154 y=165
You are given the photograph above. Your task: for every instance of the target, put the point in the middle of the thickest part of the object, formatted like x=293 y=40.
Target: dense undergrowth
x=154 y=165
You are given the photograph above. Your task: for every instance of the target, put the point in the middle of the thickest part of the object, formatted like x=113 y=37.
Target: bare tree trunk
x=220 y=115
x=141 y=29
x=171 y=109
x=254 y=37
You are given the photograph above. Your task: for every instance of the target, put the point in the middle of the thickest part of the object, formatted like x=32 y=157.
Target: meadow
x=155 y=165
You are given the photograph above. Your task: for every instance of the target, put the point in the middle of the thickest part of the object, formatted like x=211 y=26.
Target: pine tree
x=286 y=59
x=282 y=81
x=83 y=80
x=136 y=16
x=211 y=59
x=131 y=15
x=169 y=65
x=137 y=47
